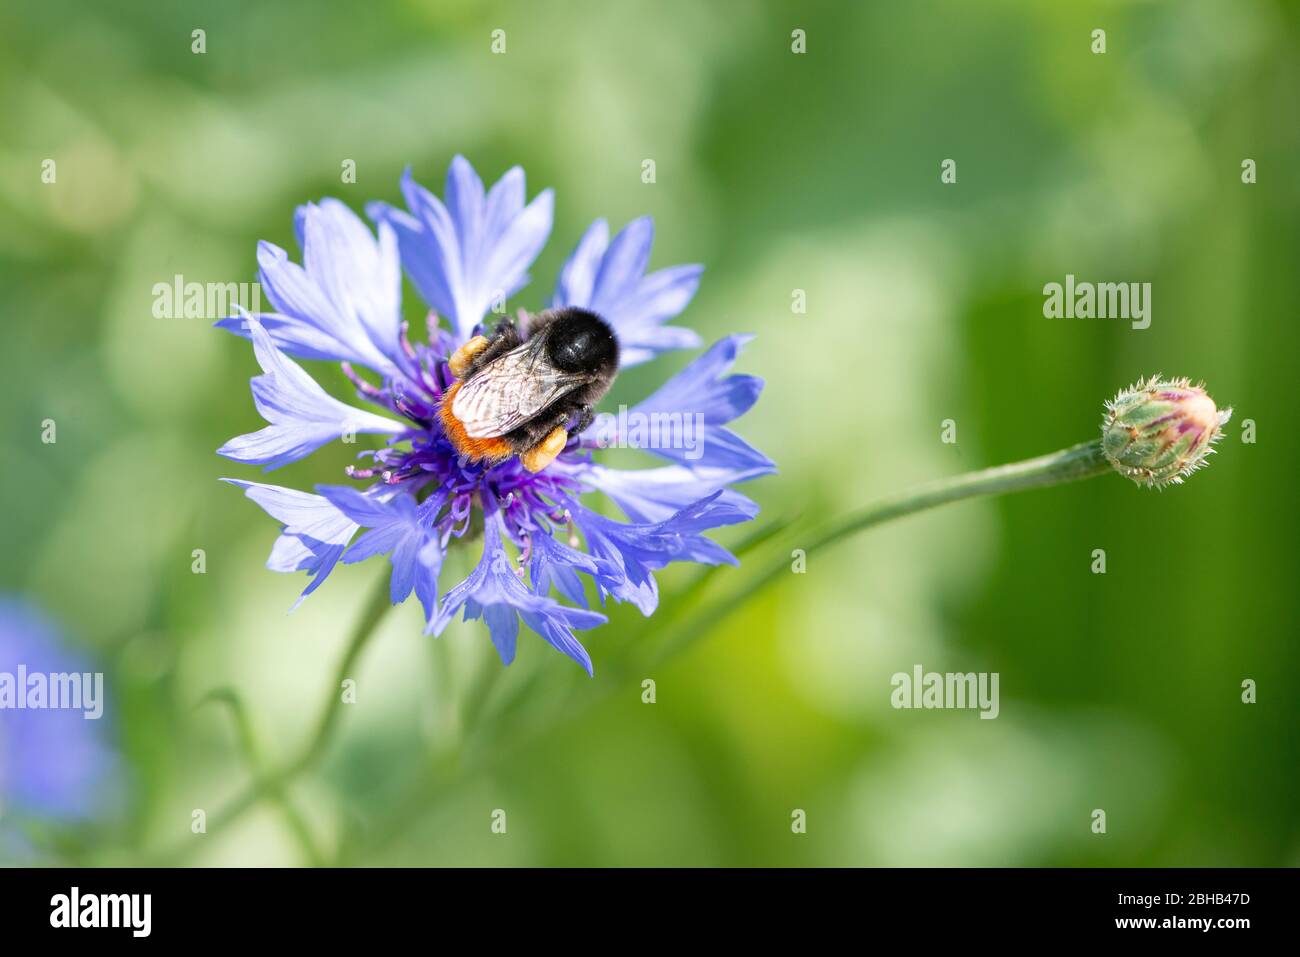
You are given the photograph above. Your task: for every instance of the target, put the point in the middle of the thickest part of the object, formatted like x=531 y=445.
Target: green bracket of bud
x=1161 y=430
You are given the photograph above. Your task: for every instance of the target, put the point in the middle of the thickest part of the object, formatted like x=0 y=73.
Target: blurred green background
x=779 y=172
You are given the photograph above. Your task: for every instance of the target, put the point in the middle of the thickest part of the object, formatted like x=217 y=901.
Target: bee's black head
x=581 y=341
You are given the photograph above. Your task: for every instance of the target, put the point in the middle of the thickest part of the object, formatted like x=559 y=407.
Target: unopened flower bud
x=1160 y=430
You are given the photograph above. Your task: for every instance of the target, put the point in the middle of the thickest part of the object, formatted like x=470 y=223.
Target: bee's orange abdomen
x=493 y=449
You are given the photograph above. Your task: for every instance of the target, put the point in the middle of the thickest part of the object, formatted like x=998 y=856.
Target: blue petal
x=369 y=510
x=303 y=416
x=503 y=626
x=344 y=303
x=633 y=551
x=466 y=254
x=560 y=638
x=428 y=566
x=494 y=591
x=623 y=265
x=314 y=535
x=577 y=280
x=609 y=278
x=426 y=242
x=701 y=386
x=302 y=513
x=703 y=389
x=361 y=277
x=464 y=193
x=399 y=528
x=653 y=495
x=378 y=541
x=553 y=564
x=650 y=341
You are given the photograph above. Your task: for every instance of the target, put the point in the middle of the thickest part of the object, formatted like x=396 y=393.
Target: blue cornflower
x=466 y=255
x=54 y=762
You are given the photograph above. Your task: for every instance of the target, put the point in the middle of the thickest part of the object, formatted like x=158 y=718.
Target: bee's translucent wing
x=509 y=391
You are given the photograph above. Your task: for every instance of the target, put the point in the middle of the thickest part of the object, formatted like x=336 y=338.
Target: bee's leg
x=506 y=333
x=544 y=452
x=504 y=337
x=585 y=415
x=481 y=350
x=466 y=354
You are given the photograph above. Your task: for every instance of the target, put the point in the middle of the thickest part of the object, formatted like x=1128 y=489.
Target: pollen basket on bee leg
x=460 y=361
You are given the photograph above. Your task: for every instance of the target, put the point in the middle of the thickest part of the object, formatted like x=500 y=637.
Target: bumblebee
x=523 y=394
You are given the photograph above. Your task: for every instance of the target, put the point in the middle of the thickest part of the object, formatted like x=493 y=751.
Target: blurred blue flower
x=466 y=254
x=54 y=762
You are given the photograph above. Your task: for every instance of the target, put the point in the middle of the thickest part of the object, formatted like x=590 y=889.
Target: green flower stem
x=1082 y=461
x=272 y=784
x=255 y=760
x=380 y=602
